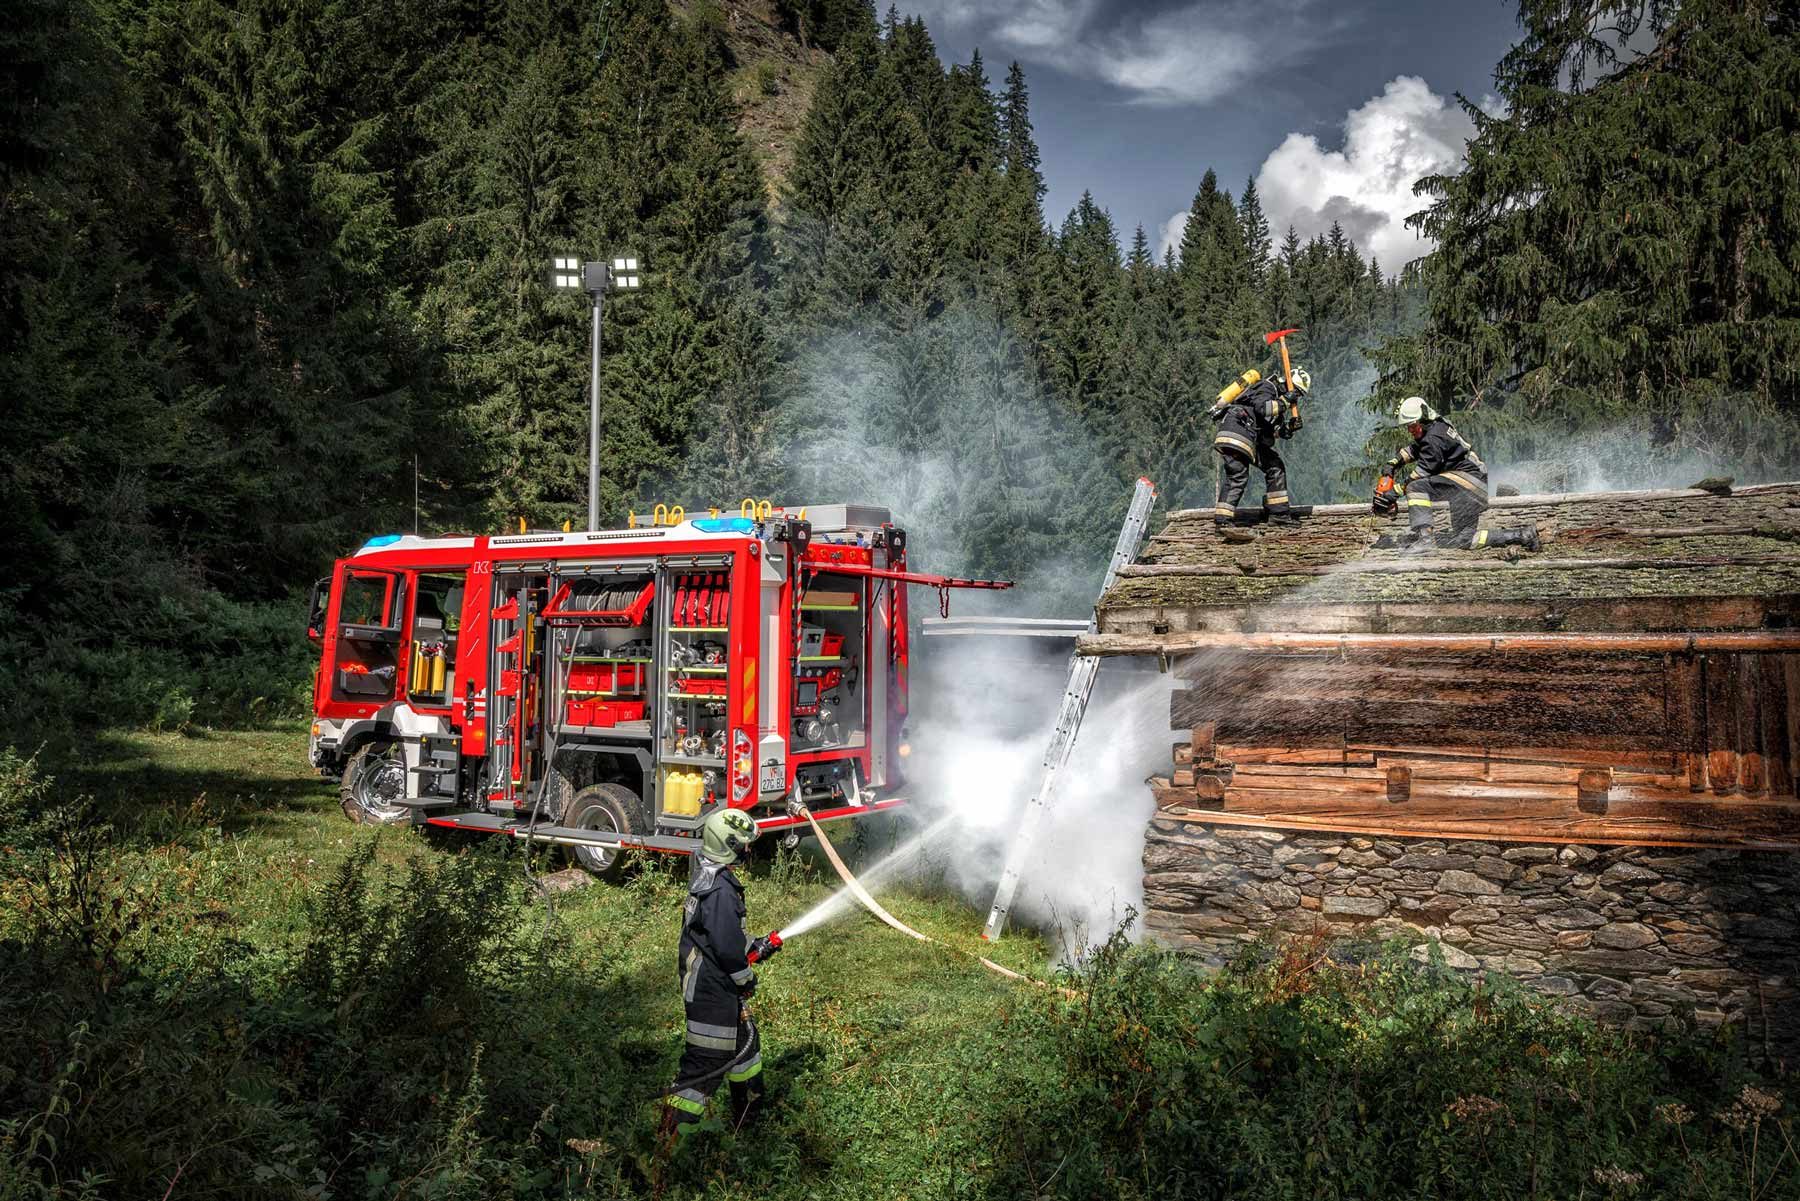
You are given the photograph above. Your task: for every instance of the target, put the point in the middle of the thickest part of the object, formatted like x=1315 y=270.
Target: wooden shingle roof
x=1685 y=559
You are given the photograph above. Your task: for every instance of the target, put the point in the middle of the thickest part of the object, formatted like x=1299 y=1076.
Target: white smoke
x=981 y=719
x=982 y=722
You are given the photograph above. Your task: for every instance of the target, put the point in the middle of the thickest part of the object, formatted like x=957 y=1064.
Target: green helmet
x=725 y=834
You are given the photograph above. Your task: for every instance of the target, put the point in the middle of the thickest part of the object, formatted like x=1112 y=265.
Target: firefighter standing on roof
x=1249 y=424
x=1448 y=474
x=716 y=979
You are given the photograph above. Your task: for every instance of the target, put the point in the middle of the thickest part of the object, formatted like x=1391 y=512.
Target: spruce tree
x=1613 y=258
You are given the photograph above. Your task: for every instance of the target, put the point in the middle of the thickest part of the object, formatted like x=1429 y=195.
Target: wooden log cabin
x=1455 y=734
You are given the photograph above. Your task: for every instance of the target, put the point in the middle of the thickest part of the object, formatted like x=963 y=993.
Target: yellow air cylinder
x=1236 y=387
x=417 y=674
x=437 y=672
x=681 y=792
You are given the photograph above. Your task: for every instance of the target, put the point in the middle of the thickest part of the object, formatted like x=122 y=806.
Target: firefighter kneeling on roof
x=716 y=979
x=1448 y=474
x=1249 y=423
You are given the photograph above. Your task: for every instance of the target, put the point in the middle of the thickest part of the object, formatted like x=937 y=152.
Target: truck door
x=437 y=620
x=363 y=640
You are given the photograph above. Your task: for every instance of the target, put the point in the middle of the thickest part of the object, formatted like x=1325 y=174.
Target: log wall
x=1668 y=727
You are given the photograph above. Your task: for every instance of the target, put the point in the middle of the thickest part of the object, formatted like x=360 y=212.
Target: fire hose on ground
x=874 y=907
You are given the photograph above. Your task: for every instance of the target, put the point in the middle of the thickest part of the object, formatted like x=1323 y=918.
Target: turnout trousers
x=1463 y=493
x=722 y=1044
x=1234 y=477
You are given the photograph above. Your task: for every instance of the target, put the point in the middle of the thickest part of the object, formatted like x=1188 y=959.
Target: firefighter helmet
x=725 y=834
x=1302 y=382
x=1413 y=410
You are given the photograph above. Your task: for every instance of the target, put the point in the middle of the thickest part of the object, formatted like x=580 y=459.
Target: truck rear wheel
x=374 y=784
x=606 y=808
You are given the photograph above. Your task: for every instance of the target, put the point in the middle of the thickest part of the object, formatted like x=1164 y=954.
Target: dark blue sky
x=1133 y=101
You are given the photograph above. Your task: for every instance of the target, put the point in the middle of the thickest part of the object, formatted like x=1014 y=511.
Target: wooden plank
x=1772 y=691
x=1399 y=784
x=1244 y=755
x=1637 y=614
x=1202 y=740
x=1427 y=567
x=1751 y=780
x=1400 y=822
x=1685 y=691
x=1592 y=789
x=1541 y=695
x=1316 y=771
x=1790 y=673
x=1721 y=724
x=1650 y=761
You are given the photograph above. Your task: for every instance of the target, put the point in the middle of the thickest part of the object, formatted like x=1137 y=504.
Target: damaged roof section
x=1687 y=559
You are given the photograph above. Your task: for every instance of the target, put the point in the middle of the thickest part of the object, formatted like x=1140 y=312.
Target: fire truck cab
x=605 y=690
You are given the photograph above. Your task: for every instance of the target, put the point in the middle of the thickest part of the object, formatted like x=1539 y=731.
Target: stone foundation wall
x=1640 y=936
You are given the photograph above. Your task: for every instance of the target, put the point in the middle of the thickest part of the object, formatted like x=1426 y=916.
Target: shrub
x=1316 y=1072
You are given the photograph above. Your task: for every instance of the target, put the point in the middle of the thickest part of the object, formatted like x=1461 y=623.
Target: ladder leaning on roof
x=1082 y=670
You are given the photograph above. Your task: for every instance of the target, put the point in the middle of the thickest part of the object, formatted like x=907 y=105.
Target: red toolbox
x=609 y=713
x=606 y=677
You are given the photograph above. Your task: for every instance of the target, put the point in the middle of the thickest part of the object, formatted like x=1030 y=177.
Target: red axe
x=1280 y=335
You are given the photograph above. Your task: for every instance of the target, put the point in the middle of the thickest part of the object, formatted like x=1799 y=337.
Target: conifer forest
x=273 y=269
x=274 y=281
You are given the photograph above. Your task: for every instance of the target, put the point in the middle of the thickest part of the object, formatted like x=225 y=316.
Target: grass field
x=232 y=992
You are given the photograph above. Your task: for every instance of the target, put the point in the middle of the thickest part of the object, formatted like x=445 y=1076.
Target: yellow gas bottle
x=437 y=671
x=1236 y=387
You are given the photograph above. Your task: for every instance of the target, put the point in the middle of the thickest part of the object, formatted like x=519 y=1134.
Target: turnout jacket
x=712 y=927
x=1250 y=424
x=1440 y=450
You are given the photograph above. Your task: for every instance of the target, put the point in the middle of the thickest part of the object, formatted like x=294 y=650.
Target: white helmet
x=1302 y=382
x=1414 y=409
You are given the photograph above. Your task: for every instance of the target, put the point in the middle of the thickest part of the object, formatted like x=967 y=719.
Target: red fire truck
x=606 y=690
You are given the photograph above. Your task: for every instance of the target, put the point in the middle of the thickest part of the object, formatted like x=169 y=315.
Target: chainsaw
x=1387 y=497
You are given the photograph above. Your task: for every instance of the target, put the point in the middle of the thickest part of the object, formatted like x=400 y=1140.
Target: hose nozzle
x=764 y=947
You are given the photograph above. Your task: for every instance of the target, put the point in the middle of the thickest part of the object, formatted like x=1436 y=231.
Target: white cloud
x=1191 y=53
x=1407 y=132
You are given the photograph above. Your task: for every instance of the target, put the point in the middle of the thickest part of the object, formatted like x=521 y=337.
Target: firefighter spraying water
x=715 y=961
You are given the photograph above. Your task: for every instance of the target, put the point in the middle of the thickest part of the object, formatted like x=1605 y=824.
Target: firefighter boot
x=1526 y=537
x=746 y=1101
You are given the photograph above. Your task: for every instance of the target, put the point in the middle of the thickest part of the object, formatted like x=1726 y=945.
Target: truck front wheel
x=374 y=784
x=603 y=808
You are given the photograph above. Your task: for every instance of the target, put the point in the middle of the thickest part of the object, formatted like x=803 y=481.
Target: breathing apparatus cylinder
x=1236 y=387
